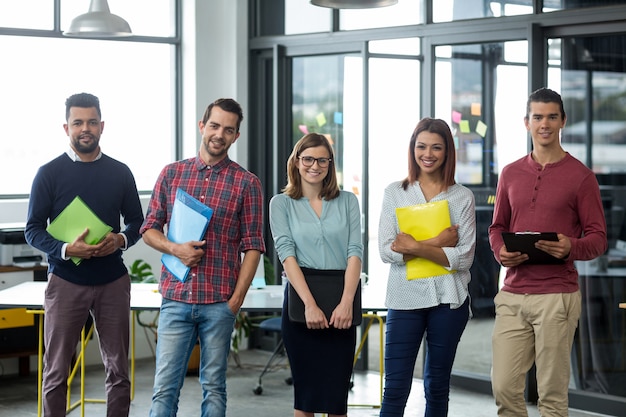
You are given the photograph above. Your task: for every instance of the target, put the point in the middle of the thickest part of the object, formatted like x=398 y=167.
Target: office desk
x=18 y=330
x=31 y=295
x=270 y=298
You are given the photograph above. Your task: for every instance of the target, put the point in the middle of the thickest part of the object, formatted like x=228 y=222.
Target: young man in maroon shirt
x=538 y=307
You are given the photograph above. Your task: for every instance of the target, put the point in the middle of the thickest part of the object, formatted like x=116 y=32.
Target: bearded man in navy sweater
x=99 y=284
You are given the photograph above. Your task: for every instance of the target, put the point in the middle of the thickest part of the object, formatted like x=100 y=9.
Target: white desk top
x=146 y=297
x=142 y=297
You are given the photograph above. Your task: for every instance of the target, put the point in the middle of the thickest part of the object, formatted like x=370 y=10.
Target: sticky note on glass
x=464 y=125
x=481 y=128
x=321 y=119
x=475 y=109
x=304 y=129
x=456 y=116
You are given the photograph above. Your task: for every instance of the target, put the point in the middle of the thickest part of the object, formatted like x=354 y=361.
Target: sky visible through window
x=134 y=81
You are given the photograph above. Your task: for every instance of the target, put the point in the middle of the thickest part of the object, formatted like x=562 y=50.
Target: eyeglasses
x=308 y=161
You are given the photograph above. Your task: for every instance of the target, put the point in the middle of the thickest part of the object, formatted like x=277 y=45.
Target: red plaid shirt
x=236 y=197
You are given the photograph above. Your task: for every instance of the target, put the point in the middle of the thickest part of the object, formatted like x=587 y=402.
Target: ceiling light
x=99 y=22
x=353 y=4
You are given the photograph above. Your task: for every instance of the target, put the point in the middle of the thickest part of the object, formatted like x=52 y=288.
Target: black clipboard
x=525 y=242
x=326 y=286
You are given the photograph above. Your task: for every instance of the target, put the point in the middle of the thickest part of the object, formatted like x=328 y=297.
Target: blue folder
x=189 y=221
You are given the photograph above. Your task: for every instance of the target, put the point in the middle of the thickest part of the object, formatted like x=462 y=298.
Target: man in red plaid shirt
x=203 y=306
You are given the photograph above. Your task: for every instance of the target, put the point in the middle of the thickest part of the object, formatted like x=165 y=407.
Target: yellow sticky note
x=475 y=109
x=321 y=119
x=481 y=128
x=464 y=125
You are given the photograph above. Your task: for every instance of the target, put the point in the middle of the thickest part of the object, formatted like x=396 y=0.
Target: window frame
x=175 y=80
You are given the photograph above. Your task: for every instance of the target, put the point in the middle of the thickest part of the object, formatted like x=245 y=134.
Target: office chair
x=272 y=325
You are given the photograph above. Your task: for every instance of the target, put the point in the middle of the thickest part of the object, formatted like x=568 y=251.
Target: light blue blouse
x=321 y=243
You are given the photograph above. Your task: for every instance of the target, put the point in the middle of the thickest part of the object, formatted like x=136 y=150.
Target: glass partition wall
x=590 y=72
x=368 y=86
x=481 y=91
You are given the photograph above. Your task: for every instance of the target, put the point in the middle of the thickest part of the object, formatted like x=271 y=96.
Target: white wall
x=214 y=65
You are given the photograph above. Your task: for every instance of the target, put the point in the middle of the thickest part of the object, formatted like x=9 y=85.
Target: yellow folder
x=424 y=221
x=73 y=220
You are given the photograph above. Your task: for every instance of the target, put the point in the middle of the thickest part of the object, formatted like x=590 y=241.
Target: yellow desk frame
x=85 y=336
x=371 y=318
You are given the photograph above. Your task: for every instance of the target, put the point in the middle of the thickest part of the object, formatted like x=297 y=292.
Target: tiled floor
x=18 y=395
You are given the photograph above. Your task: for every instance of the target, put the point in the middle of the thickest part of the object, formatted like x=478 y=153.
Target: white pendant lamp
x=353 y=4
x=99 y=21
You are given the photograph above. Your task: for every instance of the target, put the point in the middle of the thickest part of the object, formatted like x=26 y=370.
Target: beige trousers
x=535 y=328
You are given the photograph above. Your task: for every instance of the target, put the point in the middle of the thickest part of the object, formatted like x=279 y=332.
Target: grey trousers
x=67 y=307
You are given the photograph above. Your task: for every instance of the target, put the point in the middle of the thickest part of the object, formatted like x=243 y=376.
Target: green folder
x=73 y=220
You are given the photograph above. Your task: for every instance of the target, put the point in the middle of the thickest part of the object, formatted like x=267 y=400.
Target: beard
x=215 y=153
x=86 y=148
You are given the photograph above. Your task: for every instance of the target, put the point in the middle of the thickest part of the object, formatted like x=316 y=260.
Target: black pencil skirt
x=321 y=365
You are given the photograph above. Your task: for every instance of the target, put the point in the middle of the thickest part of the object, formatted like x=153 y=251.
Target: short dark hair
x=545 y=95
x=226 y=104
x=441 y=128
x=83 y=100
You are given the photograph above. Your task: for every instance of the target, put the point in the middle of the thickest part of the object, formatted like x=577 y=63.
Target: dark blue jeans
x=405 y=329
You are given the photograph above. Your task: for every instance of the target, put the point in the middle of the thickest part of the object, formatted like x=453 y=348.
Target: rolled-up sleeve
x=279 y=224
x=252 y=217
x=355 y=242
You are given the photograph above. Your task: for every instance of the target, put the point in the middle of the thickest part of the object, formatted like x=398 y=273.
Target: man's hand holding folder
x=190 y=253
x=188 y=222
x=80 y=249
x=86 y=234
x=533 y=248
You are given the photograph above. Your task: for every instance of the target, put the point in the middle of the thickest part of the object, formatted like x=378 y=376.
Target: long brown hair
x=293 y=189
x=448 y=168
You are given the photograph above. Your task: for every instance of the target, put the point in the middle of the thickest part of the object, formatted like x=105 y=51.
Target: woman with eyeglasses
x=317 y=226
x=436 y=303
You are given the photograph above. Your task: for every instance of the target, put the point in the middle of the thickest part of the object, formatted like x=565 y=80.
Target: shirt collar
x=75 y=158
x=201 y=165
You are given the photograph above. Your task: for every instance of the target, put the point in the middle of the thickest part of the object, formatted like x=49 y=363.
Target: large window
x=451 y=10
x=394 y=108
x=481 y=91
x=134 y=79
x=590 y=73
x=405 y=12
x=595 y=67
x=473 y=64
x=327 y=99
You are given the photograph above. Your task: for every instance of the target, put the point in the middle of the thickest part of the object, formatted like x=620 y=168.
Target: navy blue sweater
x=108 y=187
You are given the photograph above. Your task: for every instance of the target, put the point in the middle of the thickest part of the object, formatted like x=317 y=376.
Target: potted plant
x=141 y=272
